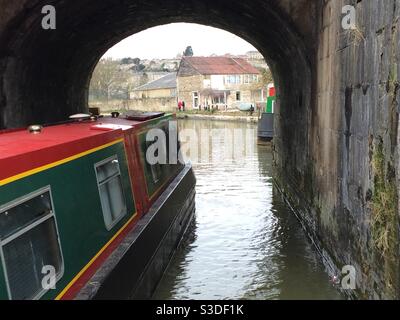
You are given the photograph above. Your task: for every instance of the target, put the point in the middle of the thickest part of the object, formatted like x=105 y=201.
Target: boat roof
x=21 y=150
x=22 y=141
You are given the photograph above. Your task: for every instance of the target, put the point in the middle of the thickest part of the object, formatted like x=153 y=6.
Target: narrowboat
x=266 y=122
x=84 y=214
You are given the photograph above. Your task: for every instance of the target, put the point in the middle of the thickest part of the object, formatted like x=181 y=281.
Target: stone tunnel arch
x=45 y=74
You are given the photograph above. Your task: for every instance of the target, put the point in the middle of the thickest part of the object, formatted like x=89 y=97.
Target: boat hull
x=135 y=268
x=266 y=127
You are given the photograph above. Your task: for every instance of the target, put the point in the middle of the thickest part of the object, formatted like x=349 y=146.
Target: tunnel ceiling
x=45 y=74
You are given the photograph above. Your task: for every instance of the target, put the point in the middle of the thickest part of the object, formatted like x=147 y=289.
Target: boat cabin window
x=156 y=172
x=111 y=192
x=30 y=245
x=156 y=168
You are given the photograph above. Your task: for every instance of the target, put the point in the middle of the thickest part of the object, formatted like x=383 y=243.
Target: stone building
x=223 y=82
x=157 y=95
x=160 y=88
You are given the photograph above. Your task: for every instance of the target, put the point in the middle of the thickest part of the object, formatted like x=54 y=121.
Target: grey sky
x=168 y=40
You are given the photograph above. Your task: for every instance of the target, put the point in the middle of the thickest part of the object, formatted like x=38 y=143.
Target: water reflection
x=245 y=243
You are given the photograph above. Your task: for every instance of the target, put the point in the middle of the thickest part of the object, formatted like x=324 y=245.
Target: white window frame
x=29 y=227
x=196 y=95
x=99 y=164
x=230 y=79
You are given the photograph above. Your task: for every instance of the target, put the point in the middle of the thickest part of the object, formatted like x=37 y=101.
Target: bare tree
x=144 y=78
x=188 y=52
x=259 y=87
x=266 y=76
x=107 y=77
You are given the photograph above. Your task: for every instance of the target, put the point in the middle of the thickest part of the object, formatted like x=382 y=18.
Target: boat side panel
x=168 y=171
x=136 y=172
x=77 y=208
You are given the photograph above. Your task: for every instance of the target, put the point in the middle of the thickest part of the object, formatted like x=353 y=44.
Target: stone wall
x=245 y=96
x=146 y=104
x=341 y=171
x=186 y=86
x=155 y=93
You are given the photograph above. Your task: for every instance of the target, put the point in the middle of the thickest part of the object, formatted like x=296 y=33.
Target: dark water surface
x=245 y=243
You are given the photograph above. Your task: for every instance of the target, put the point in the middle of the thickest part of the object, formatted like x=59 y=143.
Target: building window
x=196 y=99
x=238 y=96
x=111 y=192
x=246 y=79
x=235 y=79
x=29 y=243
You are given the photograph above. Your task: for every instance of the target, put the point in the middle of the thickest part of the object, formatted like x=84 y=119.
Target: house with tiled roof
x=218 y=82
x=157 y=95
x=164 y=87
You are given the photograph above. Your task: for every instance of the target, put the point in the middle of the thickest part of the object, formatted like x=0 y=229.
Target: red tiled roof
x=221 y=65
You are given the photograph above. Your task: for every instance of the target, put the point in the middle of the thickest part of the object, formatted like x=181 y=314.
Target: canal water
x=244 y=243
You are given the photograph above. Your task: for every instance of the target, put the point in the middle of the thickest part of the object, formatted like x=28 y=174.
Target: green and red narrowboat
x=83 y=215
x=265 y=130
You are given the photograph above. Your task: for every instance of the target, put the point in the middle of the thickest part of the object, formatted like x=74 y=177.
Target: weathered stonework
x=337 y=128
x=189 y=84
x=334 y=180
x=186 y=86
x=168 y=104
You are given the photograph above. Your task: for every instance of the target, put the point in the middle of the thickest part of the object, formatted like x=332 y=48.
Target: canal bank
x=245 y=242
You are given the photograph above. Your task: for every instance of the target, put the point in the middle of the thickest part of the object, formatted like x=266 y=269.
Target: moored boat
x=265 y=131
x=245 y=106
x=84 y=214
